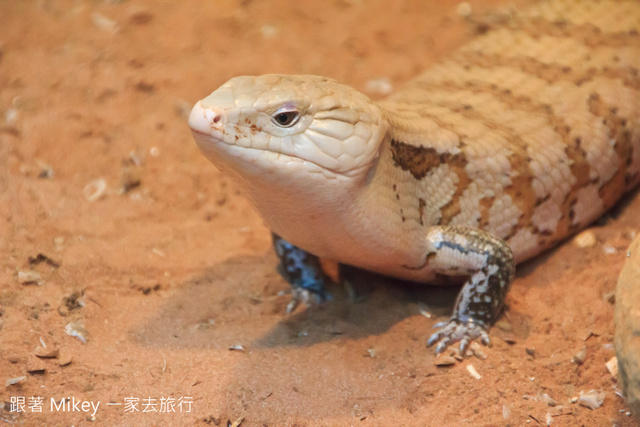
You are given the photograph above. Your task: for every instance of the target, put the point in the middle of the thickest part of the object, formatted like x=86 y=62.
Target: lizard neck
x=313 y=212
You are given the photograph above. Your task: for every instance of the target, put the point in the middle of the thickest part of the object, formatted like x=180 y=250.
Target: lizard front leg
x=490 y=266
x=303 y=272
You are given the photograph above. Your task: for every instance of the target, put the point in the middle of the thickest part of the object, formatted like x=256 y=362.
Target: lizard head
x=281 y=126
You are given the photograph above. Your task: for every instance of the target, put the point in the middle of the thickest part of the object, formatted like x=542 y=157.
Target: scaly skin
x=523 y=137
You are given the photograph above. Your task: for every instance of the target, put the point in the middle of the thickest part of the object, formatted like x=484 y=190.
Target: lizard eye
x=286 y=118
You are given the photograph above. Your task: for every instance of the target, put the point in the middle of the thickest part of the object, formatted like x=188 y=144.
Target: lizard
x=522 y=137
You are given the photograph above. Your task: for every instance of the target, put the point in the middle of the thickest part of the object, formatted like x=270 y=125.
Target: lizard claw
x=455 y=330
x=307 y=297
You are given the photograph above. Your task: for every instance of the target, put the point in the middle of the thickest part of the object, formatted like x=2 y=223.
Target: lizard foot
x=454 y=330
x=306 y=296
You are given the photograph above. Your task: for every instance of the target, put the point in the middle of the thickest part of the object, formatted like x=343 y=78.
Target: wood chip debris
x=14 y=381
x=77 y=329
x=592 y=399
x=205 y=324
x=548 y=419
x=424 y=310
x=473 y=372
x=612 y=366
x=506 y=412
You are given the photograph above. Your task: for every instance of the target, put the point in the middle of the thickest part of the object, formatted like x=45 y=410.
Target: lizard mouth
x=247 y=158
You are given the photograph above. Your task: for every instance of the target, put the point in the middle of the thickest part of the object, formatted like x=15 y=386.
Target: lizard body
x=522 y=137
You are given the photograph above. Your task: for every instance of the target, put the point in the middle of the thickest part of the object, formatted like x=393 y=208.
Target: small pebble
x=580 y=356
x=95 y=190
x=46 y=171
x=140 y=16
x=35 y=365
x=464 y=9
x=130 y=177
x=103 y=23
x=181 y=108
x=476 y=350
x=64 y=359
x=29 y=278
x=544 y=397
x=11 y=116
x=504 y=326
x=610 y=297
x=269 y=31
x=58 y=242
x=586 y=239
x=445 y=361
x=46 y=352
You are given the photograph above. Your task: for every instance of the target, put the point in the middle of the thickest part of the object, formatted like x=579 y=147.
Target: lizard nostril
x=214 y=116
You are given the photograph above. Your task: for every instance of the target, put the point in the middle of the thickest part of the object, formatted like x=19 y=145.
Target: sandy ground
x=170 y=267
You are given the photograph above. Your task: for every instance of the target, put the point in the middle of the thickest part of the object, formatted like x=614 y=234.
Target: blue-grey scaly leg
x=303 y=272
x=490 y=266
